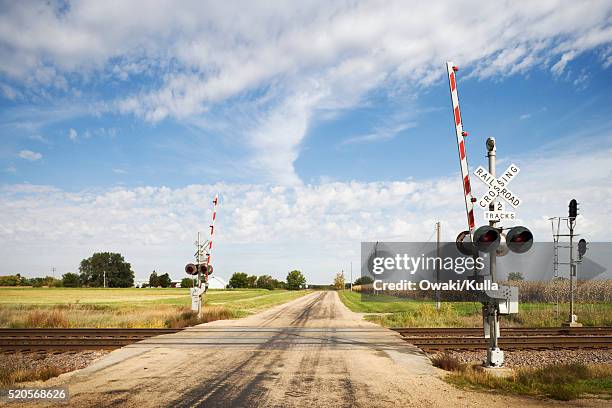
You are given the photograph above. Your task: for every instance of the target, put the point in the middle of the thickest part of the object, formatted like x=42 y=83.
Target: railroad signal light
x=519 y=239
x=455 y=68
x=464 y=134
x=573 y=209
x=191 y=269
x=582 y=248
x=205 y=268
x=487 y=238
x=464 y=244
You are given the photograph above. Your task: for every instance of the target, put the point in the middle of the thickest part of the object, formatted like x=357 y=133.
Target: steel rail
x=508 y=331
x=512 y=343
x=12 y=340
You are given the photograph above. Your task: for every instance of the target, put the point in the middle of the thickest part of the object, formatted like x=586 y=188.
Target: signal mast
x=203 y=267
x=489 y=239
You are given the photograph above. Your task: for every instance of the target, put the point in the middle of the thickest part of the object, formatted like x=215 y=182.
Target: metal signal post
x=489 y=238
x=203 y=267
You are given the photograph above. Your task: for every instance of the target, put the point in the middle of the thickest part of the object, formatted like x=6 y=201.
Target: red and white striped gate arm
x=212 y=232
x=461 y=134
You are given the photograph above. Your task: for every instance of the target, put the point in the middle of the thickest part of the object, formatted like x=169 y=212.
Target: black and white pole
x=495 y=356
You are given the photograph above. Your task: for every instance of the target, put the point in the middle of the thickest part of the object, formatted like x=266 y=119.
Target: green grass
x=129 y=307
x=561 y=382
x=413 y=313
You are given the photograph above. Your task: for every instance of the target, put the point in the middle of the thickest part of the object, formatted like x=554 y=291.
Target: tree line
x=295 y=280
x=111 y=269
x=101 y=268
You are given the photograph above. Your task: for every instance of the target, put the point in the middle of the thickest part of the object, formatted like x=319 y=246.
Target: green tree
x=252 y=281
x=10 y=280
x=165 y=281
x=265 y=282
x=153 y=279
x=46 y=281
x=364 y=280
x=295 y=280
x=515 y=276
x=339 y=281
x=239 y=280
x=119 y=273
x=71 y=280
x=186 y=283
x=278 y=284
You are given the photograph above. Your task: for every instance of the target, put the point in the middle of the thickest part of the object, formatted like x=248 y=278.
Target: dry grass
x=187 y=317
x=561 y=382
x=11 y=373
x=46 y=319
x=447 y=362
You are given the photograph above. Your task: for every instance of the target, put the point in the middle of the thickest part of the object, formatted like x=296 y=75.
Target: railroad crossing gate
x=498 y=187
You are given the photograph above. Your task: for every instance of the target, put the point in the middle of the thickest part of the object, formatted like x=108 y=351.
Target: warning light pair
x=193 y=269
x=489 y=239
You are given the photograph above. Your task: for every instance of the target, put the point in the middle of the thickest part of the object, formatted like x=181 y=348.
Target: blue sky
x=291 y=114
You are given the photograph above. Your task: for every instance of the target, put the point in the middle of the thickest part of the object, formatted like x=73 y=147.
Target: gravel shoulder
x=539 y=358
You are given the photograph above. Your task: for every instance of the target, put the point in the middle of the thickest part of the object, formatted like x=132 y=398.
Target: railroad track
x=439 y=339
x=428 y=339
x=506 y=331
x=33 y=340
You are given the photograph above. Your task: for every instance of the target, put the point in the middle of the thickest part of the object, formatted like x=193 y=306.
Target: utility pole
x=53 y=272
x=351 y=276
x=104 y=279
x=438 y=264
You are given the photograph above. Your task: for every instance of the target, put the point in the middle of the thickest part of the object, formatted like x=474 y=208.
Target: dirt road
x=311 y=352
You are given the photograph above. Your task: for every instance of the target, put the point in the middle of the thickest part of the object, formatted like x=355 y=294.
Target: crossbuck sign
x=498 y=187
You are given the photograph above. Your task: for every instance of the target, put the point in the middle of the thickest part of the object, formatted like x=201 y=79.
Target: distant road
x=310 y=352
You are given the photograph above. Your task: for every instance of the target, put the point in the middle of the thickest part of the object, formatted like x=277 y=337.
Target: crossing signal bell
x=573 y=209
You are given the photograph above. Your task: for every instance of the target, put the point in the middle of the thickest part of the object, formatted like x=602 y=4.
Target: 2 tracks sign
x=498 y=187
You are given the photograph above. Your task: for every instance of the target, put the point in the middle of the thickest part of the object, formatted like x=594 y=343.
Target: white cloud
x=11 y=169
x=525 y=116
x=559 y=67
x=73 y=135
x=268 y=229
x=380 y=134
x=30 y=155
x=119 y=171
x=273 y=69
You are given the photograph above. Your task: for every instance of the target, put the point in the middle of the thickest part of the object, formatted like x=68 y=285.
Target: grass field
x=130 y=307
x=411 y=313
